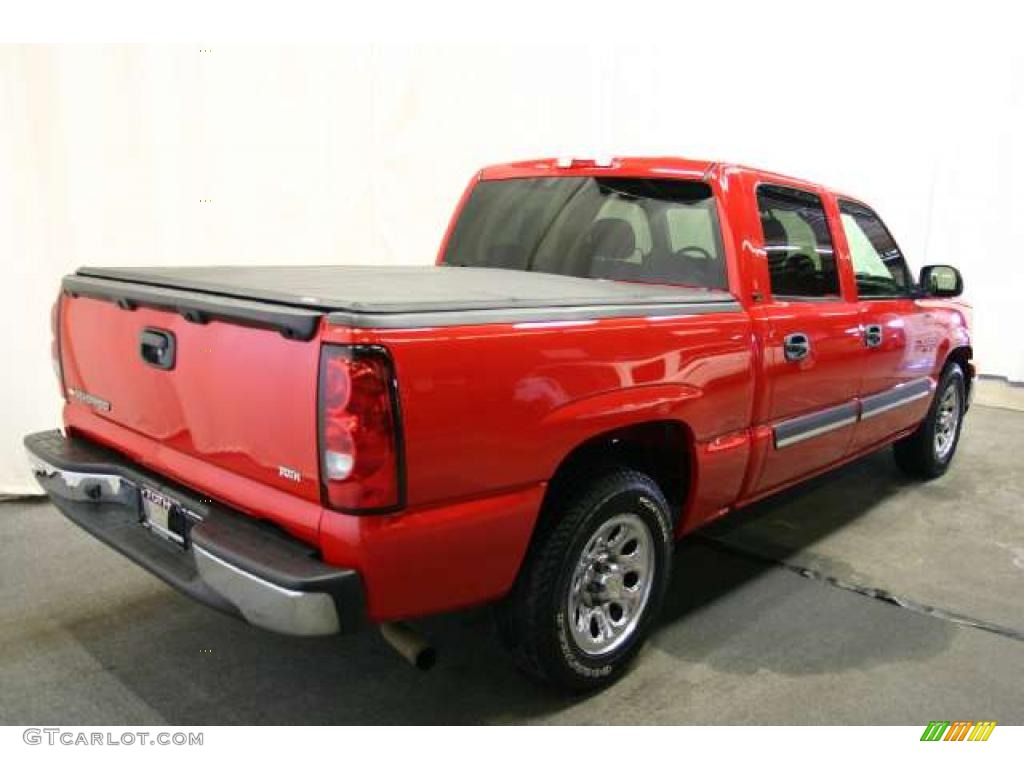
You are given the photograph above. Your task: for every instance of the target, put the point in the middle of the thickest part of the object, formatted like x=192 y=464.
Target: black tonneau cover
x=387 y=297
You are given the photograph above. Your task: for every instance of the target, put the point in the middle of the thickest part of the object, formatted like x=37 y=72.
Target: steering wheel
x=687 y=250
x=800 y=264
x=695 y=263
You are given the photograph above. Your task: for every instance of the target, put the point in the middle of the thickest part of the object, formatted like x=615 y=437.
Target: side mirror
x=941 y=280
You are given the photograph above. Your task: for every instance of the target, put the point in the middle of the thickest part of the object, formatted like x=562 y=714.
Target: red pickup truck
x=606 y=356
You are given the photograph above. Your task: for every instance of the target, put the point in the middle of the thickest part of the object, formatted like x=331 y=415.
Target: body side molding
x=795 y=430
x=900 y=395
x=792 y=431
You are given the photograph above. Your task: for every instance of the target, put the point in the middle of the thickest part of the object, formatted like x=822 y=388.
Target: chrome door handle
x=796 y=346
x=872 y=335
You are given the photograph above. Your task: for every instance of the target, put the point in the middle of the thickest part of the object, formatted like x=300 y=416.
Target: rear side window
x=801 y=260
x=877 y=262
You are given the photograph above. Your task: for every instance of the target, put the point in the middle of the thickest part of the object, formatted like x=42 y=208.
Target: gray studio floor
x=860 y=598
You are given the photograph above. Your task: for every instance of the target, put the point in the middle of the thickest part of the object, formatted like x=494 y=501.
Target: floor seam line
x=873 y=592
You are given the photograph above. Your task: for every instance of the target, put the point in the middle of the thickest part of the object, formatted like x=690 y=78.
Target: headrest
x=611 y=240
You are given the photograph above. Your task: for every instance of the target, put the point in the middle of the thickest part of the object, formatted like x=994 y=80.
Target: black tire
x=534 y=620
x=917 y=454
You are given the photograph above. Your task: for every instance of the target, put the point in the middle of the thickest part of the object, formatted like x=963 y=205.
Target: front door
x=900 y=342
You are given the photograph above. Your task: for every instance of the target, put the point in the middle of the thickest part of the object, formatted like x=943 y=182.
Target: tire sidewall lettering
x=653 y=517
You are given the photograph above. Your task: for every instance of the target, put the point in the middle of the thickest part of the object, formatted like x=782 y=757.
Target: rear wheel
x=592 y=583
x=929 y=450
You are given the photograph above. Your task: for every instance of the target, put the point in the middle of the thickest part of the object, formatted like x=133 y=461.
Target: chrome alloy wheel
x=611 y=584
x=947 y=417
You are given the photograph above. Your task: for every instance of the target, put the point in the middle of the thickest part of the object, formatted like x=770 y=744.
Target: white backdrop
x=357 y=154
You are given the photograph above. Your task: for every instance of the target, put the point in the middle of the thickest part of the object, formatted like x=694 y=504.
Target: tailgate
x=239 y=394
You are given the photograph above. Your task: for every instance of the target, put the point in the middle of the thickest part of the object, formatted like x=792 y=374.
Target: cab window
x=610 y=228
x=798 y=243
x=879 y=266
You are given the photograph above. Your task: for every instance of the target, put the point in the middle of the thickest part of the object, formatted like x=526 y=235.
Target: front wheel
x=592 y=583
x=928 y=451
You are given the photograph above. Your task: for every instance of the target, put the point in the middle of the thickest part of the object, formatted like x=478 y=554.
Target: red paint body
x=489 y=412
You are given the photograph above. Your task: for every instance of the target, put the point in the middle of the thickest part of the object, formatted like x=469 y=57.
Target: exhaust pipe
x=410 y=644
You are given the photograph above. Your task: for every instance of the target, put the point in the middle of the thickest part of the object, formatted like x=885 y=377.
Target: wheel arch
x=663 y=449
x=963 y=356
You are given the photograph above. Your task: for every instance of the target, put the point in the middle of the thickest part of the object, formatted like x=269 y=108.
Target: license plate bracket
x=165 y=517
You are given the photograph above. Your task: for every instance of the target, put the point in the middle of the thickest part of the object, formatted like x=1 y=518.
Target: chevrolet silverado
x=606 y=355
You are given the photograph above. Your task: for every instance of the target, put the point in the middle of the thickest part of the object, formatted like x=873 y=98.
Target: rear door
x=899 y=339
x=808 y=331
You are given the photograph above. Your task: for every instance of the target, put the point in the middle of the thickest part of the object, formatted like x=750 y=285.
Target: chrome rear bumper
x=227 y=560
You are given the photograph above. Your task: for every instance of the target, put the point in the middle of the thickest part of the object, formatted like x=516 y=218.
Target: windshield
x=638 y=230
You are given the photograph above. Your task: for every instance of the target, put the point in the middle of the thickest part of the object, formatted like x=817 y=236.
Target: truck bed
x=388 y=297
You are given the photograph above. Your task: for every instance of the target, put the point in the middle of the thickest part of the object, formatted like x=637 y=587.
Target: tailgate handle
x=157 y=348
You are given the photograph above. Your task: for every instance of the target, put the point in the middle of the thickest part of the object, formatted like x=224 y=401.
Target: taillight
x=360 y=461
x=58 y=368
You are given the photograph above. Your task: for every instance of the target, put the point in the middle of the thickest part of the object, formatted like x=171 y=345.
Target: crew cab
x=606 y=355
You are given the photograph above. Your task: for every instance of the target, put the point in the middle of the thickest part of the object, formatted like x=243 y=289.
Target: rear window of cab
x=637 y=230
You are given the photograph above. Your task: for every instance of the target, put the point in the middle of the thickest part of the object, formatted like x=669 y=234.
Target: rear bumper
x=231 y=562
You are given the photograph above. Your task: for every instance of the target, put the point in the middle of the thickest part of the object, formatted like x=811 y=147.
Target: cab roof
x=645 y=167
x=652 y=167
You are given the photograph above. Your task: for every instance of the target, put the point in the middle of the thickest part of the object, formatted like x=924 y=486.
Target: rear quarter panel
x=491 y=407
x=490 y=411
